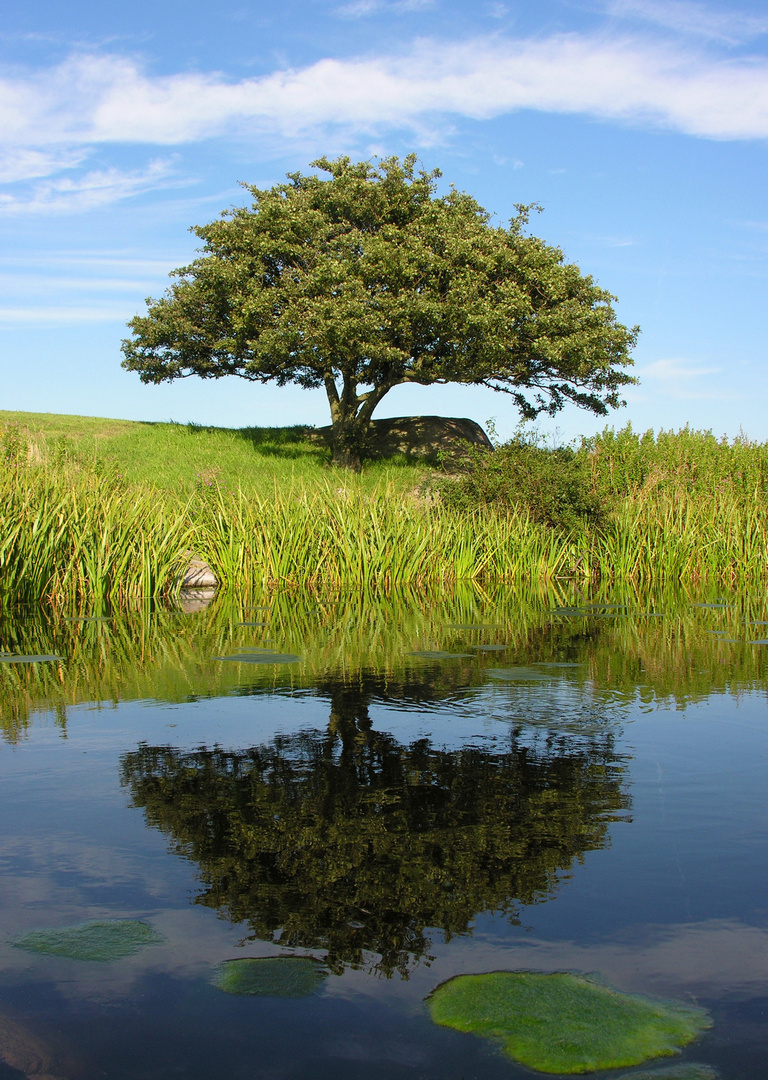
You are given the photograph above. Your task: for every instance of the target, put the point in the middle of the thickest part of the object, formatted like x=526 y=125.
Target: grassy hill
x=179 y=458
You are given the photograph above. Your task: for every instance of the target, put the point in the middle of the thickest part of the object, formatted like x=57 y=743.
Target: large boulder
x=420 y=438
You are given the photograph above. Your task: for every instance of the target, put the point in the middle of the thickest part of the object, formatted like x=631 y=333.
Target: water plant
x=102 y=940
x=686 y=1071
x=563 y=1023
x=271 y=976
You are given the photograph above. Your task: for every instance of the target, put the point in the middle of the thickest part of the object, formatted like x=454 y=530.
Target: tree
x=354 y=843
x=369 y=279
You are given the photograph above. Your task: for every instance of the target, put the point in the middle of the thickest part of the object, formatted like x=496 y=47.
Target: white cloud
x=360 y=9
x=25 y=163
x=30 y=316
x=682 y=380
x=52 y=119
x=674 y=369
x=98 y=99
x=87 y=192
x=692 y=19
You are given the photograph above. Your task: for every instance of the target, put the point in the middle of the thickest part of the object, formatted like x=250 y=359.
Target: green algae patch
x=271 y=976
x=690 y=1071
x=111 y=939
x=561 y=1023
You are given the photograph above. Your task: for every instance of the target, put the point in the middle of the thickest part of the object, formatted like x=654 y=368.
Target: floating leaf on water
x=561 y=1023
x=261 y=658
x=490 y=648
x=758 y=622
x=689 y=1071
x=437 y=654
x=604 y=607
x=758 y=641
x=566 y=611
x=271 y=976
x=17 y=658
x=110 y=939
x=523 y=674
x=718 y=606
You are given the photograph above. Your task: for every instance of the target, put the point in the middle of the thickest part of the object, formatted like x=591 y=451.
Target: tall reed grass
x=70 y=534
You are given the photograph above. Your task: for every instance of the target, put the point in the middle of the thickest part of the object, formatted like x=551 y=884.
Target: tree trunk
x=348 y=439
x=351 y=420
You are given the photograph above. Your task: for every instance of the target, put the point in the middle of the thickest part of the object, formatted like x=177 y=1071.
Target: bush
x=555 y=485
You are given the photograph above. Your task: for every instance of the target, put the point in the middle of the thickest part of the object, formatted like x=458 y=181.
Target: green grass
x=98 y=510
x=179 y=459
x=561 y=1023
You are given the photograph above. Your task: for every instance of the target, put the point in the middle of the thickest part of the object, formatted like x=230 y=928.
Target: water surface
x=404 y=789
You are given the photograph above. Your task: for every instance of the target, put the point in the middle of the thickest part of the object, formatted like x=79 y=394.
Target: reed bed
x=70 y=534
x=75 y=537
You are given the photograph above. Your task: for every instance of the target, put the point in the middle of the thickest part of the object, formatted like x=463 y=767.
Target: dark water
x=581 y=788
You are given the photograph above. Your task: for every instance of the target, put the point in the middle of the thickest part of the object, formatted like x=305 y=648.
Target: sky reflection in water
x=406 y=818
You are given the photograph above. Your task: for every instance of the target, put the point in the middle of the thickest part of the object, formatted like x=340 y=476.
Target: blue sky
x=640 y=126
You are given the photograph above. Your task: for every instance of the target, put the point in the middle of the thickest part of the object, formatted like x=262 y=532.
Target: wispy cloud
x=675 y=369
x=52 y=119
x=360 y=9
x=695 y=20
x=25 y=163
x=87 y=192
x=684 y=380
x=66 y=314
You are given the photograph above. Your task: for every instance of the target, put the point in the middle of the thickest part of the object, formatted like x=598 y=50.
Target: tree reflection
x=349 y=841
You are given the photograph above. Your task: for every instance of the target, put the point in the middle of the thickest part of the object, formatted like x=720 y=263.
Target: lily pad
x=111 y=939
x=261 y=658
x=561 y=1023
x=17 y=658
x=437 y=654
x=690 y=1071
x=271 y=976
x=518 y=674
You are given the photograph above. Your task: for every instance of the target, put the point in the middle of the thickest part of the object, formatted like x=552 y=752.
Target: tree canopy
x=352 y=842
x=368 y=279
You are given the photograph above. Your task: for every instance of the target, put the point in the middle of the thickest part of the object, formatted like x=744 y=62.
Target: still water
x=407 y=789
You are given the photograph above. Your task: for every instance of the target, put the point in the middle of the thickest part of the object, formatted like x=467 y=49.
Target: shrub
x=554 y=485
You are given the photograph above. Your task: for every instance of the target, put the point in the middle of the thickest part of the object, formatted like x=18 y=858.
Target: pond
x=372 y=796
